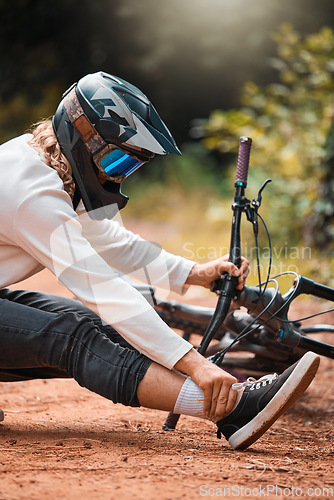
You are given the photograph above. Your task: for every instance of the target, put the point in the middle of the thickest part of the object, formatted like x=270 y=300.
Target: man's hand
x=206 y=274
x=219 y=397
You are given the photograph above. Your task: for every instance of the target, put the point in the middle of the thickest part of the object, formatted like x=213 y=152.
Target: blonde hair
x=45 y=142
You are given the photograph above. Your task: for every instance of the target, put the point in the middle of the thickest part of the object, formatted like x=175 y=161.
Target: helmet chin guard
x=107 y=128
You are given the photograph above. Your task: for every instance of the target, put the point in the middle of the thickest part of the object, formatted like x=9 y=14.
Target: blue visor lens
x=118 y=164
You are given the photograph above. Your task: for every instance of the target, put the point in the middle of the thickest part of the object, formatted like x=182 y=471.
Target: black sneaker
x=264 y=400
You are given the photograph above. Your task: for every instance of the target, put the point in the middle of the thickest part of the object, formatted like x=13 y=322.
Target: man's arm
x=135 y=257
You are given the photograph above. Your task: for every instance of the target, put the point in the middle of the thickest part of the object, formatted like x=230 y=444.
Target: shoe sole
x=294 y=386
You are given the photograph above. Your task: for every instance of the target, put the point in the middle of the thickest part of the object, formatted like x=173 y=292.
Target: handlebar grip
x=243 y=160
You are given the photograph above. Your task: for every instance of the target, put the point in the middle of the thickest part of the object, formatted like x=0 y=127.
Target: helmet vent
x=117 y=119
x=135 y=104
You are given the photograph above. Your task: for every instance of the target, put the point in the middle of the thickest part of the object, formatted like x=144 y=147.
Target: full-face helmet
x=107 y=129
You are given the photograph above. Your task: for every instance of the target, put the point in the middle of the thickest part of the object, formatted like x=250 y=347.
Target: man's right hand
x=219 y=397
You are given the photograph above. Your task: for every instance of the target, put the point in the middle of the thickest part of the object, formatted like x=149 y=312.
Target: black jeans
x=47 y=336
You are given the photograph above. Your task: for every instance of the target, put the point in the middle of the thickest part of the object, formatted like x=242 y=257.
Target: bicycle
x=264 y=337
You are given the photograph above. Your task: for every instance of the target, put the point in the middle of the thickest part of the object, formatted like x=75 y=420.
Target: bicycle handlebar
x=226 y=288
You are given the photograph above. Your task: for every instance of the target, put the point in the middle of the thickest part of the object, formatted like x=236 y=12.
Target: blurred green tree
x=291 y=124
x=189 y=56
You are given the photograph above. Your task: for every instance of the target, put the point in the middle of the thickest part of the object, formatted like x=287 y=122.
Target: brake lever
x=257 y=203
x=252 y=209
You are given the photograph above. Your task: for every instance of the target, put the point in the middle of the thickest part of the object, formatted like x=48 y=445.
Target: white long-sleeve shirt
x=40 y=229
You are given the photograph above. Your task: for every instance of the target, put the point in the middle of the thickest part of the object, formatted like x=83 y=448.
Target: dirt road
x=59 y=441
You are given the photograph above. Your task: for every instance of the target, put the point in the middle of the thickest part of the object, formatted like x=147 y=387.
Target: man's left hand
x=206 y=274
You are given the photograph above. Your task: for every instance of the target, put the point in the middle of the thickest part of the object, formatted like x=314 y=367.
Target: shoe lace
x=256 y=384
x=253 y=384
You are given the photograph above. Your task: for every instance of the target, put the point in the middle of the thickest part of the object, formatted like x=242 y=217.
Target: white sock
x=190 y=400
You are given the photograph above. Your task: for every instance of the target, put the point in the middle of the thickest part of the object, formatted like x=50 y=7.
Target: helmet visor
x=116 y=164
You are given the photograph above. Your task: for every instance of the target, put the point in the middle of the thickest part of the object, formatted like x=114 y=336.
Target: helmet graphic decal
x=102 y=94
x=108 y=107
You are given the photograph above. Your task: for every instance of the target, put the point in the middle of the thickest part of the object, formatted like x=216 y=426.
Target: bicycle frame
x=276 y=317
x=194 y=319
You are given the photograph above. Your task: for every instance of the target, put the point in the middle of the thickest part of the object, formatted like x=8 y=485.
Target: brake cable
x=270 y=253
x=307 y=317
x=252 y=216
x=291 y=298
x=218 y=358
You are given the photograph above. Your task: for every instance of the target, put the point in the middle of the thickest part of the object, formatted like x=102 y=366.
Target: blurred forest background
x=215 y=70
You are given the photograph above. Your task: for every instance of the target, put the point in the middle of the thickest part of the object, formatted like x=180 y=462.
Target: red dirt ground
x=59 y=441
